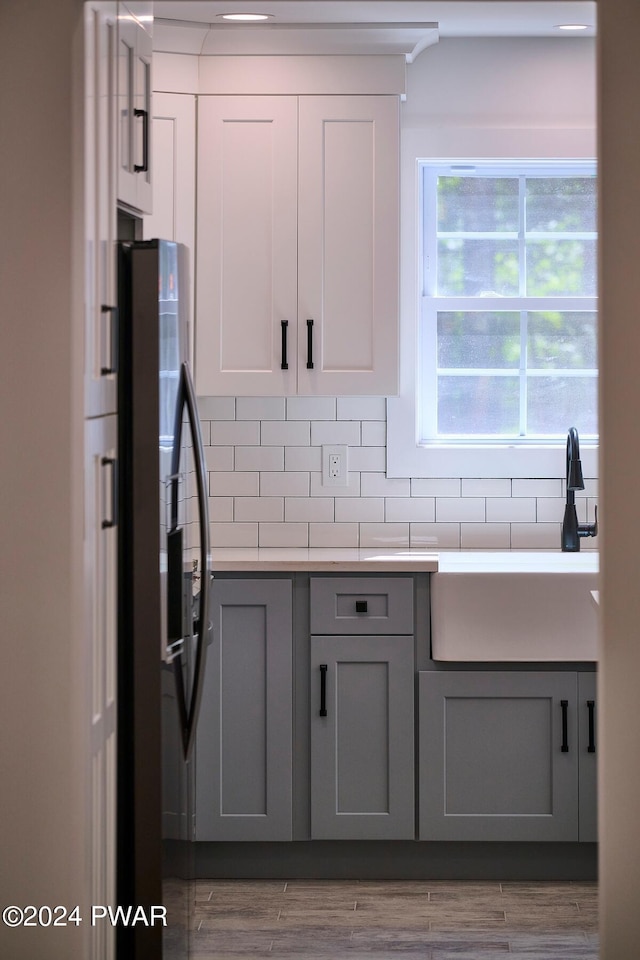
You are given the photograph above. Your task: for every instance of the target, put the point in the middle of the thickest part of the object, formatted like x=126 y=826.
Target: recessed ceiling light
x=573 y=26
x=246 y=17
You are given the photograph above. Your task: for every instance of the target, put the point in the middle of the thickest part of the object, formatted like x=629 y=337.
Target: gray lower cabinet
x=244 y=744
x=362 y=744
x=588 y=808
x=498 y=755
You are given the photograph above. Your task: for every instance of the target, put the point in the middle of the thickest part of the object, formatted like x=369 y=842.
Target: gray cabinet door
x=362 y=759
x=492 y=764
x=587 y=719
x=244 y=745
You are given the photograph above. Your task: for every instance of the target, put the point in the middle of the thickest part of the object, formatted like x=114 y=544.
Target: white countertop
x=256 y=559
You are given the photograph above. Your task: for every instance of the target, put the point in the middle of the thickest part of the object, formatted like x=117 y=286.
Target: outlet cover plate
x=335 y=466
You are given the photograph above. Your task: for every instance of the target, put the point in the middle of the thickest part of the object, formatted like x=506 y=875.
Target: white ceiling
x=364 y=26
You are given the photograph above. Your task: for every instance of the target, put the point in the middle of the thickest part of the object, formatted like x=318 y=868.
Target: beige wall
x=41 y=830
x=620 y=355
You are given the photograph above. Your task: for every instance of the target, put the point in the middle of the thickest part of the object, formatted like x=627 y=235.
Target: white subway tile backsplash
x=221 y=509
x=385 y=536
x=511 y=509
x=330 y=432
x=343 y=535
x=413 y=509
x=260 y=408
x=551 y=509
x=374 y=434
x=283 y=535
x=486 y=488
x=205 y=431
x=286 y=484
x=362 y=408
x=485 y=536
x=233 y=484
x=368 y=458
x=311 y=408
x=295 y=433
x=235 y=432
x=536 y=488
x=217 y=408
x=370 y=509
x=309 y=509
x=535 y=536
x=303 y=458
x=259 y=508
x=352 y=489
x=234 y=535
x=378 y=485
x=459 y=510
x=219 y=458
x=264 y=460
x=435 y=488
x=434 y=536
x=259 y=458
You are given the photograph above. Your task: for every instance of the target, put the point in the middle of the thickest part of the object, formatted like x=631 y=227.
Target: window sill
x=405 y=458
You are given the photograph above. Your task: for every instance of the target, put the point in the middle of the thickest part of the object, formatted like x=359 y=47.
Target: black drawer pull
x=323 y=689
x=591 y=706
x=144 y=166
x=112 y=365
x=565 y=726
x=112 y=521
x=309 y=344
x=283 y=350
x=361 y=606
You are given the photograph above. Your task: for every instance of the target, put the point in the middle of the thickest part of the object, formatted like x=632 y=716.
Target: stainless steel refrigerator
x=163 y=585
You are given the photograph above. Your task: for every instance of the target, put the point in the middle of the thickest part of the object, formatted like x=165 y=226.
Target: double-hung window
x=508 y=327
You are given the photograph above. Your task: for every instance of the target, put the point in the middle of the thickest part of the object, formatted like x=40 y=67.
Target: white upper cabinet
x=135 y=47
x=297 y=245
x=247 y=245
x=101 y=318
x=348 y=245
x=174 y=179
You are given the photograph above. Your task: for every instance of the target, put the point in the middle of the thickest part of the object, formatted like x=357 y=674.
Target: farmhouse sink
x=511 y=606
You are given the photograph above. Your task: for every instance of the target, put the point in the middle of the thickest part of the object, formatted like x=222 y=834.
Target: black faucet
x=572 y=531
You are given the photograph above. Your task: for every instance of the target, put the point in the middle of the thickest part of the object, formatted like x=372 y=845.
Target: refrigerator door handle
x=189 y=710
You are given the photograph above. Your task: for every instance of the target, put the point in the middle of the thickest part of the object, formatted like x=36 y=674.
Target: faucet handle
x=589 y=529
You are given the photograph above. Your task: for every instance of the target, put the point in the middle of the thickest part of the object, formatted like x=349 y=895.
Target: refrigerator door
x=188 y=560
x=163 y=623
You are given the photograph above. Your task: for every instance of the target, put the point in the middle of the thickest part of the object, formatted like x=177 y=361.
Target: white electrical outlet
x=335 y=468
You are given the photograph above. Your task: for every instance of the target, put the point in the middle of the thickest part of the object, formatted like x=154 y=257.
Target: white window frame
x=406 y=456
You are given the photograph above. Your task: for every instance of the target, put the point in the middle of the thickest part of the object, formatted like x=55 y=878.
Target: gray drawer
x=361 y=605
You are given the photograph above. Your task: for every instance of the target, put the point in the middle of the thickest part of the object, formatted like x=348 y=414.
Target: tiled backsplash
x=264 y=457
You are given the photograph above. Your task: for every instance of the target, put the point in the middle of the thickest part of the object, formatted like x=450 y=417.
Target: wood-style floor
x=380 y=920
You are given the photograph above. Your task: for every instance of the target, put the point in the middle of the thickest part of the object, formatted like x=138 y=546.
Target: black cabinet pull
x=309 y=344
x=361 y=606
x=112 y=366
x=144 y=166
x=591 y=707
x=283 y=362
x=323 y=689
x=113 y=520
x=565 y=726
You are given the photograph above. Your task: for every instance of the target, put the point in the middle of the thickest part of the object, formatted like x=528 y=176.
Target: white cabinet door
x=135 y=48
x=100 y=208
x=297 y=246
x=348 y=245
x=100 y=589
x=247 y=185
x=174 y=179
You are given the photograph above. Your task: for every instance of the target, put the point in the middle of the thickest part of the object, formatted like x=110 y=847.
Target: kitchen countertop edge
x=321 y=560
